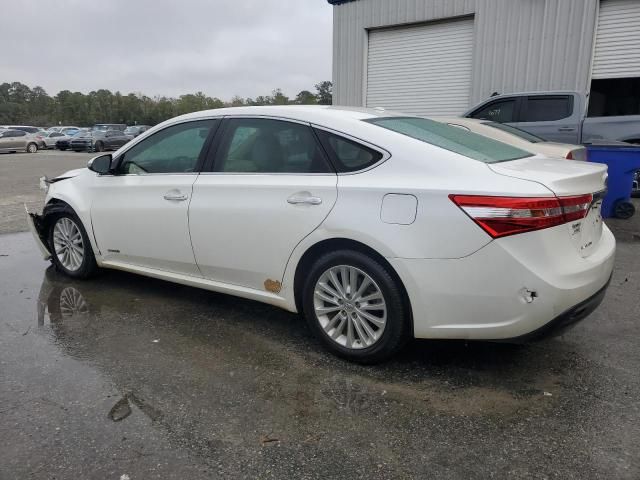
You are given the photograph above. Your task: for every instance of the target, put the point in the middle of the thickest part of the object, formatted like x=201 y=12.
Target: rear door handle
x=566 y=129
x=175 y=197
x=304 y=198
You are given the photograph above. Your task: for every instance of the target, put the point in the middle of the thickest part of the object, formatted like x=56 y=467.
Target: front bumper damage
x=36 y=227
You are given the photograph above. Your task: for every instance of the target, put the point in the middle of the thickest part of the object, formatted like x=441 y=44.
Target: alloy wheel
x=68 y=244
x=350 y=307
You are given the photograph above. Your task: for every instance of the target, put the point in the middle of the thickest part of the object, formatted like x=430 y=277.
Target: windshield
x=515 y=131
x=451 y=138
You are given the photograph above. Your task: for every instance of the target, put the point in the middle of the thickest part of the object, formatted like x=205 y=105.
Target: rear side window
x=547 y=108
x=258 y=145
x=451 y=138
x=347 y=155
x=498 y=111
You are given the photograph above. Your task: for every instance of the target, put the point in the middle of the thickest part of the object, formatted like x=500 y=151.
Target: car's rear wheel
x=355 y=306
x=32 y=148
x=71 y=250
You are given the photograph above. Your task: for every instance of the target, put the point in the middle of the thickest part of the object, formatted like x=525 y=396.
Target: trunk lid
x=566 y=178
x=562 y=177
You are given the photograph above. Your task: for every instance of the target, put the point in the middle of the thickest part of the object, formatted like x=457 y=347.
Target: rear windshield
x=451 y=138
x=515 y=131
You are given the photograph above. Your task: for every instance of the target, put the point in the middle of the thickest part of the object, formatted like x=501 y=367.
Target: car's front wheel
x=71 y=250
x=32 y=148
x=355 y=306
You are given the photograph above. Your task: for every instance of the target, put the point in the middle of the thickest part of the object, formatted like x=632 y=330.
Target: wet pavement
x=124 y=375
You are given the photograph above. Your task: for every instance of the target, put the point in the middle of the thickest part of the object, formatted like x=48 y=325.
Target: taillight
x=570 y=155
x=503 y=216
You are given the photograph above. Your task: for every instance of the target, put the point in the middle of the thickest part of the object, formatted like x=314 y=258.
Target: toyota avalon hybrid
x=377 y=227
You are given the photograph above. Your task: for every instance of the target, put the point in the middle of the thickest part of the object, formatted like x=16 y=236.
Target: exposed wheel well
x=320 y=248
x=54 y=206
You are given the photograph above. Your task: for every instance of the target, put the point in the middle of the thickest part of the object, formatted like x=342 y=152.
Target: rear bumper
x=564 y=321
x=486 y=296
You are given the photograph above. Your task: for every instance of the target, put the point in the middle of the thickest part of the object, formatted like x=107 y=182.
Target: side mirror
x=101 y=164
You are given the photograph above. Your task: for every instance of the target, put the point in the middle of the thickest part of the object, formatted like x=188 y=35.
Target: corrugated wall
x=521 y=45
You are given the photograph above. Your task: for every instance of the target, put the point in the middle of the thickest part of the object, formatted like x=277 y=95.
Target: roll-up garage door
x=422 y=70
x=617 y=53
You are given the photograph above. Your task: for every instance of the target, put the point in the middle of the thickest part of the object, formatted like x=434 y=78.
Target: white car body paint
x=246 y=237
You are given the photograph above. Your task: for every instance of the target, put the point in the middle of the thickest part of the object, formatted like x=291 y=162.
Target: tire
x=32 y=148
x=69 y=264
x=62 y=149
x=99 y=147
x=386 y=340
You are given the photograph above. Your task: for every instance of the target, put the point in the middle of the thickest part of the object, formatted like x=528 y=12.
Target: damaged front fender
x=38 y=230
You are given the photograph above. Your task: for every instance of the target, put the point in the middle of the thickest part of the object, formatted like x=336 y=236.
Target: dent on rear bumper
x=482 y=296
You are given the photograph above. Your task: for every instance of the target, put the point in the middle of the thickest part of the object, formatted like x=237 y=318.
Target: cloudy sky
x=167 y=47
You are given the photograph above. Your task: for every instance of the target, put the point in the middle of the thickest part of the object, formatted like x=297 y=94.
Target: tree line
x=20 y=104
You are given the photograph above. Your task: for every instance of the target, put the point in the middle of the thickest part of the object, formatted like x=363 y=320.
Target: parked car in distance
x=135 y=130
x=103 y=127
x=516 y=137
x=50 y=138
x=557 y=117
x=99 y=141
x=18 y=141
x=64 y=143
x=27 y=129
x=376 y=227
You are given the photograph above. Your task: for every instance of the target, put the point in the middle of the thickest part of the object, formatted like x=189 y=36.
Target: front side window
x=547 y=108
x=258 y=145
x=451 y=138
x=175 y=149
x=498 y=111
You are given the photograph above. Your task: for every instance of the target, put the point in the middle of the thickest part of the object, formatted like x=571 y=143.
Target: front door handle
x=175 y=197
x=566 y=129
x=304 y=198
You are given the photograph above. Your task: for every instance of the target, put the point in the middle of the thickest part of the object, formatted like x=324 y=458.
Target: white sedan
x=376 y=227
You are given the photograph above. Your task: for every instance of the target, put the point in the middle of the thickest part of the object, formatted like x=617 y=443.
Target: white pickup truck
x=558 y=116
